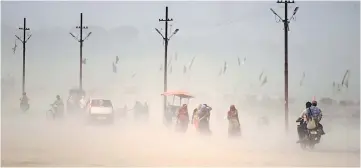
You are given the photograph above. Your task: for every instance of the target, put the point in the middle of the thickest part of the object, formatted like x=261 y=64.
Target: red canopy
x=182 y=94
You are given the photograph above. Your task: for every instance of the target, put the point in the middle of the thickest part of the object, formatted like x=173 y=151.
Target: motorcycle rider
x=232 y=116
x=301 y=129
x=59 y=104
x=316 y=113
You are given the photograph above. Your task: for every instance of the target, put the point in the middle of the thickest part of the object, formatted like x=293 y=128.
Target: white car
x=100 y=109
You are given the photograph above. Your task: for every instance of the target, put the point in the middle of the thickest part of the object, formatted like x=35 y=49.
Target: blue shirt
x=315 y=112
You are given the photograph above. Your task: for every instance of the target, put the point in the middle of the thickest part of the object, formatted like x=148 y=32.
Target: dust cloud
x=226 y=31
x=29 y=139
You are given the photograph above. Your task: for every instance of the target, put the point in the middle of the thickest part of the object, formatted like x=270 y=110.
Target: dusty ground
x=30 y=140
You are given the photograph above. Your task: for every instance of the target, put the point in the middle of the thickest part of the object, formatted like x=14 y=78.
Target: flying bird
x=264 y=81
x=239 y=62
x=346 y=84
x=116 y=60
x=225 y=67
x=114 y=68
x=14 y=49
x=345 y=79
x=184 y=69
x=303 y=77
x=191 y=63
x=84 y=61
x=260 y=76
x=134 y=74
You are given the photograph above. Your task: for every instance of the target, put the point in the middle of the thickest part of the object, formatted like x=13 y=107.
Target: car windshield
x=101 y=103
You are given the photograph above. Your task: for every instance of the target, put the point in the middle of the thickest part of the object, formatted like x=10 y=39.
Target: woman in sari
x=233 y=121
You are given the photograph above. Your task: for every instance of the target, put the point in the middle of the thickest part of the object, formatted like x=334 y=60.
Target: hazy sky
x=324 y=40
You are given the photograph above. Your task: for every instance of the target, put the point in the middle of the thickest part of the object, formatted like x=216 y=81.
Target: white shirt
x=304 y=113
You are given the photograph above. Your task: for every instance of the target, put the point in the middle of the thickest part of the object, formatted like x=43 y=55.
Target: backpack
x=311 y=124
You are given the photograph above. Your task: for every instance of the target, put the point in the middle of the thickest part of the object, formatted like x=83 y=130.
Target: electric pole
x=81 y=40
x=24 y=40
x=166 y=40
x=286 y=23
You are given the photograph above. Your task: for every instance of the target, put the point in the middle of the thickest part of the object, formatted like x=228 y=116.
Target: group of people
x=311 y=113
x=58 y=105
x=201 y=117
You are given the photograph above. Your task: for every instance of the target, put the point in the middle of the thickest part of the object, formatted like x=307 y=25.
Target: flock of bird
x=186 y=69
x=223 y=69
x=115 y=66
x=84 y=61
x=262 y=77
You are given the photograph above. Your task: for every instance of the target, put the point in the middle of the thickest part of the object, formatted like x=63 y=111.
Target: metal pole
x=24 y=48
x=81 y=53
x=165 y=57
x=81 y=41
x=166 y=40
x=285 y=21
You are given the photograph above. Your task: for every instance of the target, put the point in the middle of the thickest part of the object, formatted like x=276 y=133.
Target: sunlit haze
x=324 y=42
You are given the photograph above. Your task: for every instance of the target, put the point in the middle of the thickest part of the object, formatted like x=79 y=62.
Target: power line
x=166 y=40
x=24 y=40
x=81 y=40
x=286 y=23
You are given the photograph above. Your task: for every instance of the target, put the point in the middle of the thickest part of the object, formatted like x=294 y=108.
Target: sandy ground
x=31 y=140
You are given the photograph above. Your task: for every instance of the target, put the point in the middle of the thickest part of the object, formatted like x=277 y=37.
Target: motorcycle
x=312 y=137
x=54 y=112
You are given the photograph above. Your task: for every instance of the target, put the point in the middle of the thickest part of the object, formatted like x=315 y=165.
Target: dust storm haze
x=323 y=43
